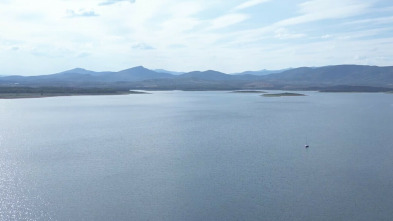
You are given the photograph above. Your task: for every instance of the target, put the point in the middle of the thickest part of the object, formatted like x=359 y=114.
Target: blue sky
x=49 y=36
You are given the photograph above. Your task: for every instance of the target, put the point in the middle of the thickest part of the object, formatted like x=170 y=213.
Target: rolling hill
x=357 y=75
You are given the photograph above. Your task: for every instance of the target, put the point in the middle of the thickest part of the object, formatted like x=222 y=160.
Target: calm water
x=197 y=156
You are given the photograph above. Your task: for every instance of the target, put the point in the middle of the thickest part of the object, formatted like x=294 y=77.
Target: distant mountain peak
x=207 y=72
x=210 y=71
x=136 y=68
x=206 y=75
x=140 y=67
x=76 y=71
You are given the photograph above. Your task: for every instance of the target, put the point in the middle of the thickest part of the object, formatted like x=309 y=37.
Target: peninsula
x=40 y=92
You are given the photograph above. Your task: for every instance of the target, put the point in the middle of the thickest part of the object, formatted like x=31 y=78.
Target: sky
x=49 y=36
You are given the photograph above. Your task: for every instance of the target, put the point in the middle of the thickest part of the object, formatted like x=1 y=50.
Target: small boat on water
x=306 y=146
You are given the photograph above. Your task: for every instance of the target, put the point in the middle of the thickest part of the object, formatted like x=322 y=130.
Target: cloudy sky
x=49 y=36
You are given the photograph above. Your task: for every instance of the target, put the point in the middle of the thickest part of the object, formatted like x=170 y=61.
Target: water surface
x=197 y=156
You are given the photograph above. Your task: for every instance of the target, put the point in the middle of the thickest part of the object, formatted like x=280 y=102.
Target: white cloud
x=81 y=13
x=380 y=20
x=309 y=11
x=111 y=2
x=363 y=33
x=249 y=4
x=283 y=33
x=228 y=20
x=142 y=46
x=316 y=10
x=326 y=36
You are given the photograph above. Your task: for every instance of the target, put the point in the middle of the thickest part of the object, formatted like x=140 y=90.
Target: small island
x=249 y=91
x=40 y=92
x=286 y=94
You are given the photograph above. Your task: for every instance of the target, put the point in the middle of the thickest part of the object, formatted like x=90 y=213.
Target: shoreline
x=44 y=95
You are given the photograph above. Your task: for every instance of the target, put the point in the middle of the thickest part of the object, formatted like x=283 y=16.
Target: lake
x=174 y=155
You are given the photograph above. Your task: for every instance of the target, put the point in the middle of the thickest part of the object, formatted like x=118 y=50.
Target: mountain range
x=355 y=76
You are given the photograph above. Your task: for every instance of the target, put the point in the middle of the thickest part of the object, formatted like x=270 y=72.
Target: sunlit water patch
x=18 y=200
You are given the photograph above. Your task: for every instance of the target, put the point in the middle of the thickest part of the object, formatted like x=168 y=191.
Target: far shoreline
x=25 y=93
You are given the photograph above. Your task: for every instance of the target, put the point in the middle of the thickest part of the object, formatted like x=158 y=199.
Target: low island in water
x=249 y=91
x=286 y=94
